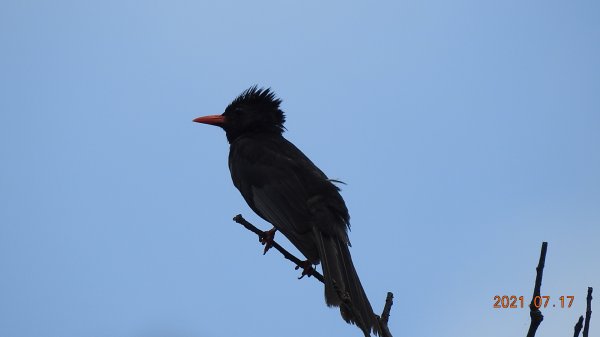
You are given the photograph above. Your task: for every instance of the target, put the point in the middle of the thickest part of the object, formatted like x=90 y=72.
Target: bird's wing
x=280 y=184
x=269 y=182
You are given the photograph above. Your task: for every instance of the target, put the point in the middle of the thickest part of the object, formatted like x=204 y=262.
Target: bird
x=285 y=188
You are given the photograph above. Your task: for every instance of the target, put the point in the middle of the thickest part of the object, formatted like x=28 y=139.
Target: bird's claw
x=266 y=239
x=307 y=269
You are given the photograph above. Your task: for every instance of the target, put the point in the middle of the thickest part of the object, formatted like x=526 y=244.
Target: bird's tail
x=342 y=285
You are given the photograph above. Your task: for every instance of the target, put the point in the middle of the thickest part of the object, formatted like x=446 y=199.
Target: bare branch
x=389 y=301
x=299 y=263
x=588 y=313
x=534 y=311
x=385 y=316
x=383 y=320
x=578 y=327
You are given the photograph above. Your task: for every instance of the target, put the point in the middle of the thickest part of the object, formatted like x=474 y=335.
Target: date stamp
x=514 y=302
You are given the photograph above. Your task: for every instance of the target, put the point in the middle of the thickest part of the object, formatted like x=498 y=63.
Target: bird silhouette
x=285 y=188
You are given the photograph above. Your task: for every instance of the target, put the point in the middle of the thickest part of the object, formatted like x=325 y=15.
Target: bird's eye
x=234 y=112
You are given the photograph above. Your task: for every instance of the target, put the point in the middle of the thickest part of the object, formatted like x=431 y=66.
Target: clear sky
x=467 y=133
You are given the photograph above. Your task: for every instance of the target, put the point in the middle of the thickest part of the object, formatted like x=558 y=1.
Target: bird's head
x=256 y=110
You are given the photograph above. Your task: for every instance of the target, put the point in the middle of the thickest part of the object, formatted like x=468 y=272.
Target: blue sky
x=467 y=133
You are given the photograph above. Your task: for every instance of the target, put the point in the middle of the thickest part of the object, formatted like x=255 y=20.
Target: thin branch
x=385 y=316
x=588 y=313
x=578 y=326
x=299 y=263
x=534 y=311
x=389 y=301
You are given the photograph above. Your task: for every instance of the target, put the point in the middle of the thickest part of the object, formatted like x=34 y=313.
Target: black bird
x=286 y=189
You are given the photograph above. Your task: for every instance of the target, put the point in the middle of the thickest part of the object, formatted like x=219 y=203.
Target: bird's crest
x=257 y=96
x=260 y=100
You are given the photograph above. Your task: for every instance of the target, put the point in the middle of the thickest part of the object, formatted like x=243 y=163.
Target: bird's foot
x=307 y=268
x=266 y=239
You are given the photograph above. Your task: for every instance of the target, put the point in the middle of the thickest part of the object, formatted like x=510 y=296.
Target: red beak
x=217 y=120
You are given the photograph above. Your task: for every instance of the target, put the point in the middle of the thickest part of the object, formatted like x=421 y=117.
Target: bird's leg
x=307 y=268
x=266 y=239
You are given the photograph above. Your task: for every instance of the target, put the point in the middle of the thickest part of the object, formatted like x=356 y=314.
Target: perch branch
x=534 y=312
x=385 y=315
x=299 y=263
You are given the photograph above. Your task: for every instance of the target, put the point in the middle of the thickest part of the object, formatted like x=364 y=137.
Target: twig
x=385 y=315
x=578 y=326
x=588 y=313
x=534 y=311
x=389 y=301
x=299 y=263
